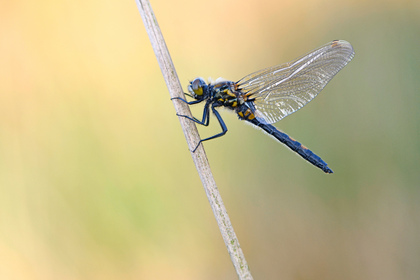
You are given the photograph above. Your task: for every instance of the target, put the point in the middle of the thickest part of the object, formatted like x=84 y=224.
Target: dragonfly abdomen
x=293 y=145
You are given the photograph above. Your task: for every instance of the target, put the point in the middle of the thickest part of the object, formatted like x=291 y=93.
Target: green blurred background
x=97 y=181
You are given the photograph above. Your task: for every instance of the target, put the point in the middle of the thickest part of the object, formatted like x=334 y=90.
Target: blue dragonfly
x=267 y=96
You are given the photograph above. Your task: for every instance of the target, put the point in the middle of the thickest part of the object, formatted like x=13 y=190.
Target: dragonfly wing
x=283 y=89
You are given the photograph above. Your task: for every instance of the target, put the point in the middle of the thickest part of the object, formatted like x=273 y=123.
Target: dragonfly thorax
x=221 y=90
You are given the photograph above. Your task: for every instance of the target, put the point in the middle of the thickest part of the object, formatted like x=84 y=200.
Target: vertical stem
x=192 y=137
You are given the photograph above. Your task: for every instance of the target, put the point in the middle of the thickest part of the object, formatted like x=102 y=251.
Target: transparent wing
x=283 y=89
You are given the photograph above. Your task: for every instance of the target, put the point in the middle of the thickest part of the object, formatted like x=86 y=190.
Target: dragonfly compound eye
x=197 y=86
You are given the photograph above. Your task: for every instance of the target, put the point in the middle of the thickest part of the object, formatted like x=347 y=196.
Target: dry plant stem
x=192 y=136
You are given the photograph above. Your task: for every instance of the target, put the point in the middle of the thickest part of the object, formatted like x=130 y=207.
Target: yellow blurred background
x=97 y=181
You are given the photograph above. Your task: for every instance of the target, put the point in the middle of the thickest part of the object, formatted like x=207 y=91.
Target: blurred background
x=96 y=178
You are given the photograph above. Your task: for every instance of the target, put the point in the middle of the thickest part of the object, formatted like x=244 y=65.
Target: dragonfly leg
x=221 y=122
x=188 y=102
x=206 y=116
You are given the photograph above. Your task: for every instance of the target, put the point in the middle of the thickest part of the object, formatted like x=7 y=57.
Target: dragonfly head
x=197 y=88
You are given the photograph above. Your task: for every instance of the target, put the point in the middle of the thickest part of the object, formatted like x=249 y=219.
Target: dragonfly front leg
x=188 y=102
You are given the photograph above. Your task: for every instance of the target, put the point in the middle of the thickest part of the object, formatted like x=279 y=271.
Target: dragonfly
x=271 y=94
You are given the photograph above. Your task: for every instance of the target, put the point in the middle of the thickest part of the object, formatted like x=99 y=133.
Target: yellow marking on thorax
x=228 y=92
